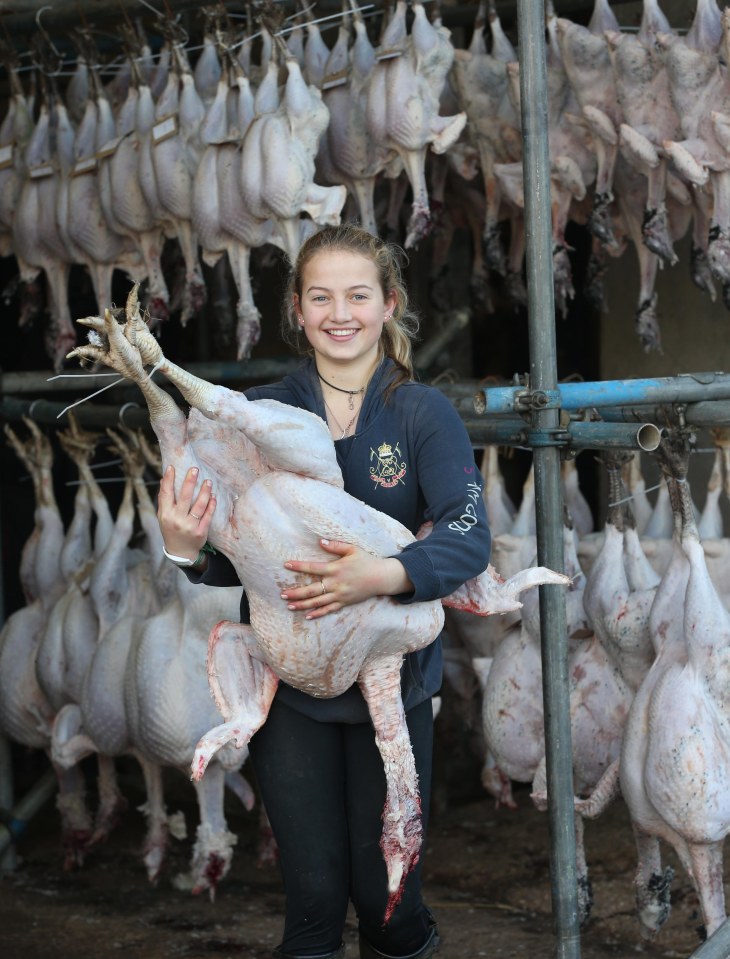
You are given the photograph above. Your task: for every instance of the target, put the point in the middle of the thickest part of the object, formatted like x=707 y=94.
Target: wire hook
x=43 y=30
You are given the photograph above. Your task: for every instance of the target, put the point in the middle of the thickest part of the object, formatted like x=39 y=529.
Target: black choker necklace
x=350 y=393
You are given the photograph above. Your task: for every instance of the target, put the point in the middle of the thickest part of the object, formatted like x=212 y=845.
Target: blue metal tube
x=508 y=431
x=546 y=461
x=686 y=388
x=601 y=436
x=710 y=413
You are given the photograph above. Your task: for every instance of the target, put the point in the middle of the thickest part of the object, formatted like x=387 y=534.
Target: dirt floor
x=486 y=878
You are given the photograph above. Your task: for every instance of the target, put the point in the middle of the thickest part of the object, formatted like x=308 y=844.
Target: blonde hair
x=398 y=332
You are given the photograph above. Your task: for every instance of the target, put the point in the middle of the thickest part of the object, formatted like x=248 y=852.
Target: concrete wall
x=695 y=331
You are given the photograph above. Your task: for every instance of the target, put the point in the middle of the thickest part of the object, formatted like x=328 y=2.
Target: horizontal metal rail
x=482 y=431
x=88 y=415
x=508 y=431
x=685 y=388
x=706 y=413
x=246 y=371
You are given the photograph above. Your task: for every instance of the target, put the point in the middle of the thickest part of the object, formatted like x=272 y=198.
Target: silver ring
x=195 y=517
x=324 y=588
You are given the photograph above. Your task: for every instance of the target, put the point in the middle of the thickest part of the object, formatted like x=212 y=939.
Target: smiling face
x=342 y=309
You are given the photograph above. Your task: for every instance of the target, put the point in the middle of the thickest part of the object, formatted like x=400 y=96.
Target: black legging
x=323 y=787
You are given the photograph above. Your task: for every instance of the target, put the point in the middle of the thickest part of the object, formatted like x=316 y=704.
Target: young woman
x=403 y=450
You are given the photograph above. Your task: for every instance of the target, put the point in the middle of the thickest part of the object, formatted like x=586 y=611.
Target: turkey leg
x=402 y=828
x=243 y=688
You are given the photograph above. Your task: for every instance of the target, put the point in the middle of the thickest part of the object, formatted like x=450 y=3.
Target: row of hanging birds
x=647 y=639
x=107 y=656
x=230 y=153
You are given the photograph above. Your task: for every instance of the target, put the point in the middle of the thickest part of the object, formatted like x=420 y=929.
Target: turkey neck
x=616 y=493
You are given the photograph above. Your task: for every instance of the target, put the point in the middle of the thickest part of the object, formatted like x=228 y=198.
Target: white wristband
x=181 y=560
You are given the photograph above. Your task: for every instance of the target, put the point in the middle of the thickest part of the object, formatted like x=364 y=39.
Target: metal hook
x=122 y=409
x=43 y=30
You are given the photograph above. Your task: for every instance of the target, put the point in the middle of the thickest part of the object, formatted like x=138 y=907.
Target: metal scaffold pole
x=548 y=493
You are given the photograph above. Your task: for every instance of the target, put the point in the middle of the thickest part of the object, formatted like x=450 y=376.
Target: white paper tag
x=164 y=129
x=388 y=54
x=109 y=148
x=87 y=165
x=43 y=169
x=338 y=79
x=6 y=156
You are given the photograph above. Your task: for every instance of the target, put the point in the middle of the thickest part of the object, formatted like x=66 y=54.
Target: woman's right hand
x=185 y=521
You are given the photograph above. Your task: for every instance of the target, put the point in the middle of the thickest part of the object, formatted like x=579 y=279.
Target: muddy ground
x=486 y=878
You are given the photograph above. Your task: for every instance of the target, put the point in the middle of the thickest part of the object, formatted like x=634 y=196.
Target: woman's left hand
x=350 y=577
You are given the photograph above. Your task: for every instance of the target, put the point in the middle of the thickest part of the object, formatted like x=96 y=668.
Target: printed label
x=388 y=54
x=338 y=79
x=87 y=165
x=164 y=129
x=109 y=148
x=43 y=169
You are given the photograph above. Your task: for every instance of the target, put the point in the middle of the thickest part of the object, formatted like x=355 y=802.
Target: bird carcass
x=403 y=103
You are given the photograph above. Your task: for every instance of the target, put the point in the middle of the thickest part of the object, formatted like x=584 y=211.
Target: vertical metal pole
x=548 y=492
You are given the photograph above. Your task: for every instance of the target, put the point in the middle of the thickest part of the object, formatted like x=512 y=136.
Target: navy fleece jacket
x=410 y=458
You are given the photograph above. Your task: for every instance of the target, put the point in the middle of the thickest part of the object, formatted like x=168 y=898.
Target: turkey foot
x=248 y=328
x=214 y=842
x=563 y=278
x=718 y=252
x=599 y=222
x=419 y=226
x=493 y=249
x=655 y=233
x=652 y=885
x=700 y=272
x=647 y=326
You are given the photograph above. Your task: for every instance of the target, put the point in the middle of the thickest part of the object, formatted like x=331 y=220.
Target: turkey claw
x=94 y=353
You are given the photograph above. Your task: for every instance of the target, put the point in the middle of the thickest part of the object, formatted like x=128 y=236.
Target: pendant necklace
x=346 y=430
x=350 y=393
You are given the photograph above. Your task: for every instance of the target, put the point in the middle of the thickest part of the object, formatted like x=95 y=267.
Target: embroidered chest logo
x=388 y=469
